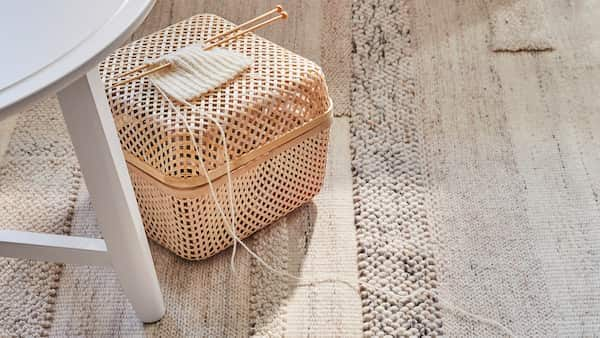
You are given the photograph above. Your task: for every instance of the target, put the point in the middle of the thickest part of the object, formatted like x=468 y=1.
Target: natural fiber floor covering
x=39 y=179
x=475 y=175
x=515 y=167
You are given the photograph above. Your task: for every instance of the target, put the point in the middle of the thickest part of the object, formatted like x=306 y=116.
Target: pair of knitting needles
x=213 y=42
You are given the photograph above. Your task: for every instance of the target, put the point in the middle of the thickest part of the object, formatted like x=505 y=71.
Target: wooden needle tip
x=279 y=8
x=284 y=15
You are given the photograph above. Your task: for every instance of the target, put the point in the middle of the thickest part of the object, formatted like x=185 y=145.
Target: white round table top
x=46 y=45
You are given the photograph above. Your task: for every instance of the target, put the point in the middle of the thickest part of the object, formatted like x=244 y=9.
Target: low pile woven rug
x=39 y=179
x=476 y=174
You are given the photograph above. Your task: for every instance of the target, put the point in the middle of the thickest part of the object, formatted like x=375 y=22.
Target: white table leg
x=90 y=124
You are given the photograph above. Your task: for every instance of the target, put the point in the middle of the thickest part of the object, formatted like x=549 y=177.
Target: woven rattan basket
x=275 y=115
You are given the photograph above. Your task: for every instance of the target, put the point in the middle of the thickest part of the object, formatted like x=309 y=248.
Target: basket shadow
x=199 y=294
x=296 y=232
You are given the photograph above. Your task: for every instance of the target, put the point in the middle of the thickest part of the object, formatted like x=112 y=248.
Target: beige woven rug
x=476 y=174
x=319 y=30
x=515 y=167
x=39 y=179
x=520 y=26
x=205 y=298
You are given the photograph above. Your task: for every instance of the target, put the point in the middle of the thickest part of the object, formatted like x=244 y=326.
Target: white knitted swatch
x=195 y=71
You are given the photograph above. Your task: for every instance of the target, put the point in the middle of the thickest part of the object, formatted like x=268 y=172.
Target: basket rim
x=266 y=150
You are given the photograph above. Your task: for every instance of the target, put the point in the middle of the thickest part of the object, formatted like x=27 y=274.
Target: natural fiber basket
x=276 y=118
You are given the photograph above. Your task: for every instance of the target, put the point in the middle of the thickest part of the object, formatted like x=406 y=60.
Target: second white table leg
x=90 y=124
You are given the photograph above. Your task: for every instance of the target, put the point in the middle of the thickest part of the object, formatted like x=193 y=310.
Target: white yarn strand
x=231 y=227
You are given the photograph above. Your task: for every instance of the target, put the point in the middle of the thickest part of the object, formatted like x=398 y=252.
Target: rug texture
x=319 y=30
x=476 y=173
x=520 y=26
x=475 y=178
x=514 y=168
x=39 y=178
x=336 y=52
x=396 y=238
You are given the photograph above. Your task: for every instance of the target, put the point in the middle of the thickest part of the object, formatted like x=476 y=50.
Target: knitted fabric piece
x=195 y=71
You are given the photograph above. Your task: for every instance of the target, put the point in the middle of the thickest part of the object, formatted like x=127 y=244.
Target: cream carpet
x=476 y=174
x=520 y=25
x=39 y=178
x=515 y=159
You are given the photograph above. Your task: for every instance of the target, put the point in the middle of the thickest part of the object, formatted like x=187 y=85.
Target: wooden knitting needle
x=282 y=16
x=153 y=70
x=277 y=9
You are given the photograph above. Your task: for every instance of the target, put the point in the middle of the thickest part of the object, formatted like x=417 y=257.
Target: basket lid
x=279 y=96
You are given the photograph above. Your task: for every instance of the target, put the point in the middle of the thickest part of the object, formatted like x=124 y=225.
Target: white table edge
x=11 y=99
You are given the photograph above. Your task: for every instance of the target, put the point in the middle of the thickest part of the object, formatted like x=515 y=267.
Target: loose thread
x=231 y=227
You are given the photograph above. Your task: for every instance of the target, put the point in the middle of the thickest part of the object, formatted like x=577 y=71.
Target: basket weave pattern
x=281 y=94
x=194 y=229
